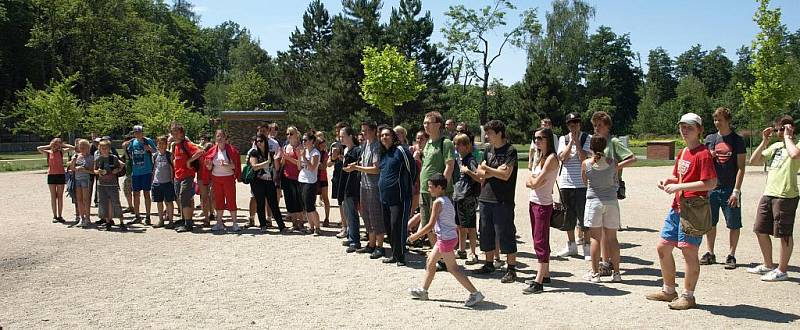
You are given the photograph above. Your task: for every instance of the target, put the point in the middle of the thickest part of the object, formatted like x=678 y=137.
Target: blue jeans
x=351 y=213
x=718 y=199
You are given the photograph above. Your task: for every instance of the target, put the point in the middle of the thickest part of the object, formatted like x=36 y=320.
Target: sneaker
x=570 y=250
x=683 y=303
x=147 y=221
x=100 y=222
x=473 y=299
x=263 y=229
x=662 y=296
x=774 y=276
x=317 y=232
x=486 y=269
x=55 y=220
x=592 y=277
x=345 y=243
x=730 y=262
x=498 y=263
x=218 y=227
x=473 y=260
x=545 y=280
x=352 y=249
x=137 y=220
x=366 y=249
x=760 y=269
x=534 y=288
x=235 y=227
x=377 y=254
x=326 y=223
x=123 y=227
x=461 y=254
x=419 y=293
x=181 y=229
x=342 y=234
x=616 y=277
x=605 y=269
x=389 y=260
x=509 y=277
x=170 y=225
x=708 y=259
x=587 y=253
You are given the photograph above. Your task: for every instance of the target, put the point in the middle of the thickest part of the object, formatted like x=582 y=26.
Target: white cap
x=691 y=118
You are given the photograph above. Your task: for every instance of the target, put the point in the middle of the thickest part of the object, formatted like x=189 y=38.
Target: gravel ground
x=52 y=276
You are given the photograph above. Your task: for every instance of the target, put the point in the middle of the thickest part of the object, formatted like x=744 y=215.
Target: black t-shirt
x=264 y=173
x=726 y=150
x=496 y=190
x=466 y=186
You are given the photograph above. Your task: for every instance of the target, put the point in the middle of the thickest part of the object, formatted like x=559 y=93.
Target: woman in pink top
x=225 y=166
x=55 y=174
x=291 y=172
x=543 y=175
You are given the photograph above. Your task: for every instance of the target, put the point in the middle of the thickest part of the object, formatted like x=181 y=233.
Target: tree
x=690 y=63
x=466 y=34
x=771 y=92
x=246 y=91
x=157 y=109
x=661 y=81
x=107 y=115
x=389 y=79
x=717 y=71
x=54 y=111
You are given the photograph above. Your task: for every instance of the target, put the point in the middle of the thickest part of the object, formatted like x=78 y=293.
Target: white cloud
x=200 y=9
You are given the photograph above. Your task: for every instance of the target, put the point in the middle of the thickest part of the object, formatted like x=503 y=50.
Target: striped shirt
x=570 y=176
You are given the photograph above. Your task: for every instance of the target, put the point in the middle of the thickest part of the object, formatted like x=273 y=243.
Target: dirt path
x=52 y=276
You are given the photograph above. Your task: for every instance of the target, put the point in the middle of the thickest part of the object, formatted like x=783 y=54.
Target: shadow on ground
x=751 y=313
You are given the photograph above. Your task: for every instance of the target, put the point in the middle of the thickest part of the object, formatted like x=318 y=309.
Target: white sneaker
x=616 y=277
x=587 y=253
x=774 y=276
x=473 y=299
x=570 y=250
x=218 y=227
x=342 y=234
x=472 y=261
x=592 y=277
x=235 y=227
x=498 y=263
x=419 y=293
x=760 y=269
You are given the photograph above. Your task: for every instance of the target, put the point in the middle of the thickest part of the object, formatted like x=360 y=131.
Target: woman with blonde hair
x=83 y=165
x=56 y=178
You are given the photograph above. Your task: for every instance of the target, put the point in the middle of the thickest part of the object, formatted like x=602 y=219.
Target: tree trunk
x=485 y=97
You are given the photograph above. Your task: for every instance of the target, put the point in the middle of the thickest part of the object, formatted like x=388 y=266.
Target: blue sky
x=674 y=25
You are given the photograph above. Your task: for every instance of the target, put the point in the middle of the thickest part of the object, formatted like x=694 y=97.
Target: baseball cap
x=692 y=119
x=573 y=116
x=106 y=137
x=138 y=128
x=97 y=139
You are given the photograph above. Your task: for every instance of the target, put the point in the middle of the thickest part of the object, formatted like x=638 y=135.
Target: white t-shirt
x=219 y=169
x=308 y=174
x=571 y=172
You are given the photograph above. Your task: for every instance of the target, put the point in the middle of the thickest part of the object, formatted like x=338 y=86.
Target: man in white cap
x=141 y=150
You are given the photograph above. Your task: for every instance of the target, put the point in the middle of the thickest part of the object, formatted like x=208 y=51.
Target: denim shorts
x=141 y=182
x=83 y=182
x=673 y=235
x=718 y=199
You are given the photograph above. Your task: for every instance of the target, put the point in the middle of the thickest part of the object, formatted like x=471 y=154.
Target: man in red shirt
x=184 y=153
x=692 y=176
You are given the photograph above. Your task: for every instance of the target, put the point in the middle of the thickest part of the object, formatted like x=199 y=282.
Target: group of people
x=446 y=190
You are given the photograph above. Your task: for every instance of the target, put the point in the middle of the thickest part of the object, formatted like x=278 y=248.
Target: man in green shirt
x=776 y=210
x=437 y=157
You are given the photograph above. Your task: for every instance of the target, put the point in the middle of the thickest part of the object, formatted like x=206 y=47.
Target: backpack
x=195 y=164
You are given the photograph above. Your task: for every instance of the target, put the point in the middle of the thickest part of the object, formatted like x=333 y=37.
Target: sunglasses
x=537 y=138
x=779 y=129
x=260 y=141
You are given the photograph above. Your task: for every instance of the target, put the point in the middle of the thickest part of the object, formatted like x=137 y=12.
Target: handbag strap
x=680 y=175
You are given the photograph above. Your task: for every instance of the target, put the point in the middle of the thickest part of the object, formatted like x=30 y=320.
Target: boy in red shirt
x=184 y=154
x=693 y=175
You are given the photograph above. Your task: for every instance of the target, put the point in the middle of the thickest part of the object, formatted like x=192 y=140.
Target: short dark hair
x=371 y=124
x=784 y=120
x=435 y=115
x=496 y=126
x=438 y=180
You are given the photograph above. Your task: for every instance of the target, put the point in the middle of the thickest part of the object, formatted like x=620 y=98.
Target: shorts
x=292 y=195
x=83 y=182
x=445 y=246
x=126 y=185
x=497 y=221
x=163 y=192
x=575 y=204
x=775 y=216
x=184 y=192
x=601 y=214
x=465 y=212
x=372 y=211
x=673 y=235
x=141 y=182
x=425 y=209
x=308 y=193
x=718 y=199
x=106 y=194
x=56 y=179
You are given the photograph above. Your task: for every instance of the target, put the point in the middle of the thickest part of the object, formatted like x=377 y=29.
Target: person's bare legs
x=613 y=248
x=161 y=215
x=462 y=238
x=595 y=236
x=136 y=202
x=379 y=240
x=692 y=259
x=325 y=201
x=147 y=202
x=455 y=270
x=667 y=262
x=313 y=220
x=765 y=243
x=711 y=238
x=60 y=199
x=787 y=243
x=472 y=233
x=205 y=206
x=733 y=236
x=54 y=200
x=220 y=221
x=430 y=267
x=544 y=271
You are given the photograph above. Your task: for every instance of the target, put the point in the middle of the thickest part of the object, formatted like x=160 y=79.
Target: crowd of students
x=445 y=190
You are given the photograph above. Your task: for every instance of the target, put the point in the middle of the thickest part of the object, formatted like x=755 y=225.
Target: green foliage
x=54 y=111
x=107 y=115
x=772 y=91
x=246 y=91
x=157 y=109
x=389 y=79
